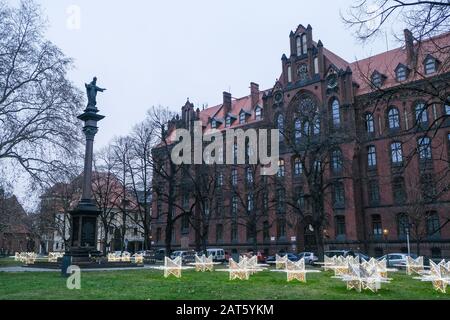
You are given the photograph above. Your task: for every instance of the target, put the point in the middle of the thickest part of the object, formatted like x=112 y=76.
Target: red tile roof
x=386 y=62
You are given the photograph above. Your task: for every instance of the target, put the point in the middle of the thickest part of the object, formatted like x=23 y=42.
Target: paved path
x=25 y=269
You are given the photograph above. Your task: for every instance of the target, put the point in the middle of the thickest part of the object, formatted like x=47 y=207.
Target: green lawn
x=150 y=284
x=9 y=262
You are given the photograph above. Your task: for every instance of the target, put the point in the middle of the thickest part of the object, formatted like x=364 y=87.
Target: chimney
x=409 y=47
x=254 y=93
x=227 y=102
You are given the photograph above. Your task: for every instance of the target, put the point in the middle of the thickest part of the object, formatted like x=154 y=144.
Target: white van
x=217 y=254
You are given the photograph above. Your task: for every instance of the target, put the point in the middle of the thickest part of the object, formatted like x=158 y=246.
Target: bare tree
x=142 y=140
x=58 y=200
x=107 y=192
x=251 y=201
x=323 y=164
x=38 y=104
x=166 y=176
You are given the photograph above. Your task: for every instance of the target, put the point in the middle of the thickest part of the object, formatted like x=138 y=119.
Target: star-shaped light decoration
x=126 y=257
x=439 y=275
x=172 y=267
x=139 y=258
x=296 y=270
x=280 y=261
x=414 y=265
x=239 y=270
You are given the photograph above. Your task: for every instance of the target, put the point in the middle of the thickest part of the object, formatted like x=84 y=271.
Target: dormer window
x=430 y=65
x=377 y=79
x=401 y=73
x=242 y=117
x=258 y=113
x=228 y=121
x=213 y=124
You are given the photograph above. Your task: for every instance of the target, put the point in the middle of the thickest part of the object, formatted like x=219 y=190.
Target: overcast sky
x=161 y=52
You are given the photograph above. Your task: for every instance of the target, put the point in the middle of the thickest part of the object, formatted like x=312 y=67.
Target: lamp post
x=385 y=235
x=408 y=226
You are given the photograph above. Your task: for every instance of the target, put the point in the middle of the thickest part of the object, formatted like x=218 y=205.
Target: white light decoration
x=53 y=256
x=138 y=258
x=204 y=263
x=414 y=265
x=439 y=275
x=126 y=257
x=172 y=267
x=280 y=262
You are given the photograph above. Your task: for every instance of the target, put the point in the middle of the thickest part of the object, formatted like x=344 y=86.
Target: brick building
x=387 y=176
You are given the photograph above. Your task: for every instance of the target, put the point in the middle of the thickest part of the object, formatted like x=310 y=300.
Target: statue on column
x=91 y=91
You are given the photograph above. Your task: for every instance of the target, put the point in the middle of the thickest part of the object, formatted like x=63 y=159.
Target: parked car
x=310 y=257
x=217 y=254
x=362 y=256
x=396 y=259
x=338 y=253
x=291 y=257
x=160 y=254
x=186 y=256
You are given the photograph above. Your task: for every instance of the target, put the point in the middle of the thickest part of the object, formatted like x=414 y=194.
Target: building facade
x=380 y=133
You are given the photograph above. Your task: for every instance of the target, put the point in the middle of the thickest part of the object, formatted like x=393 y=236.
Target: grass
x=9 y=262
x=150 y=284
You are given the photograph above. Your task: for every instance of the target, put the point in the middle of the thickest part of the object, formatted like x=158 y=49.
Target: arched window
x=304 y=44
x=402 y=224
x=289 y=71
x=281 y=168
x=339 y=225
x=316 y=128
x=249 y=175
x=234 y=177
x=298 y=169
x=398 y=190
x=299 y=45
x=336 y=161
x=258 y=113
x=396 y=153
x=250 y=202
x=430 y=65
x=371 y=157
x=433 y=224
x=280 y=125
x=234 y=205
x=421 y=113
x=370 y=124
x=298 y=130
x=424 y=148
x=336 y=113
x=447 y=106
x=338 y=195
x=316 y=65
x=376 y=225
x=306 y=128
x=393 y=118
